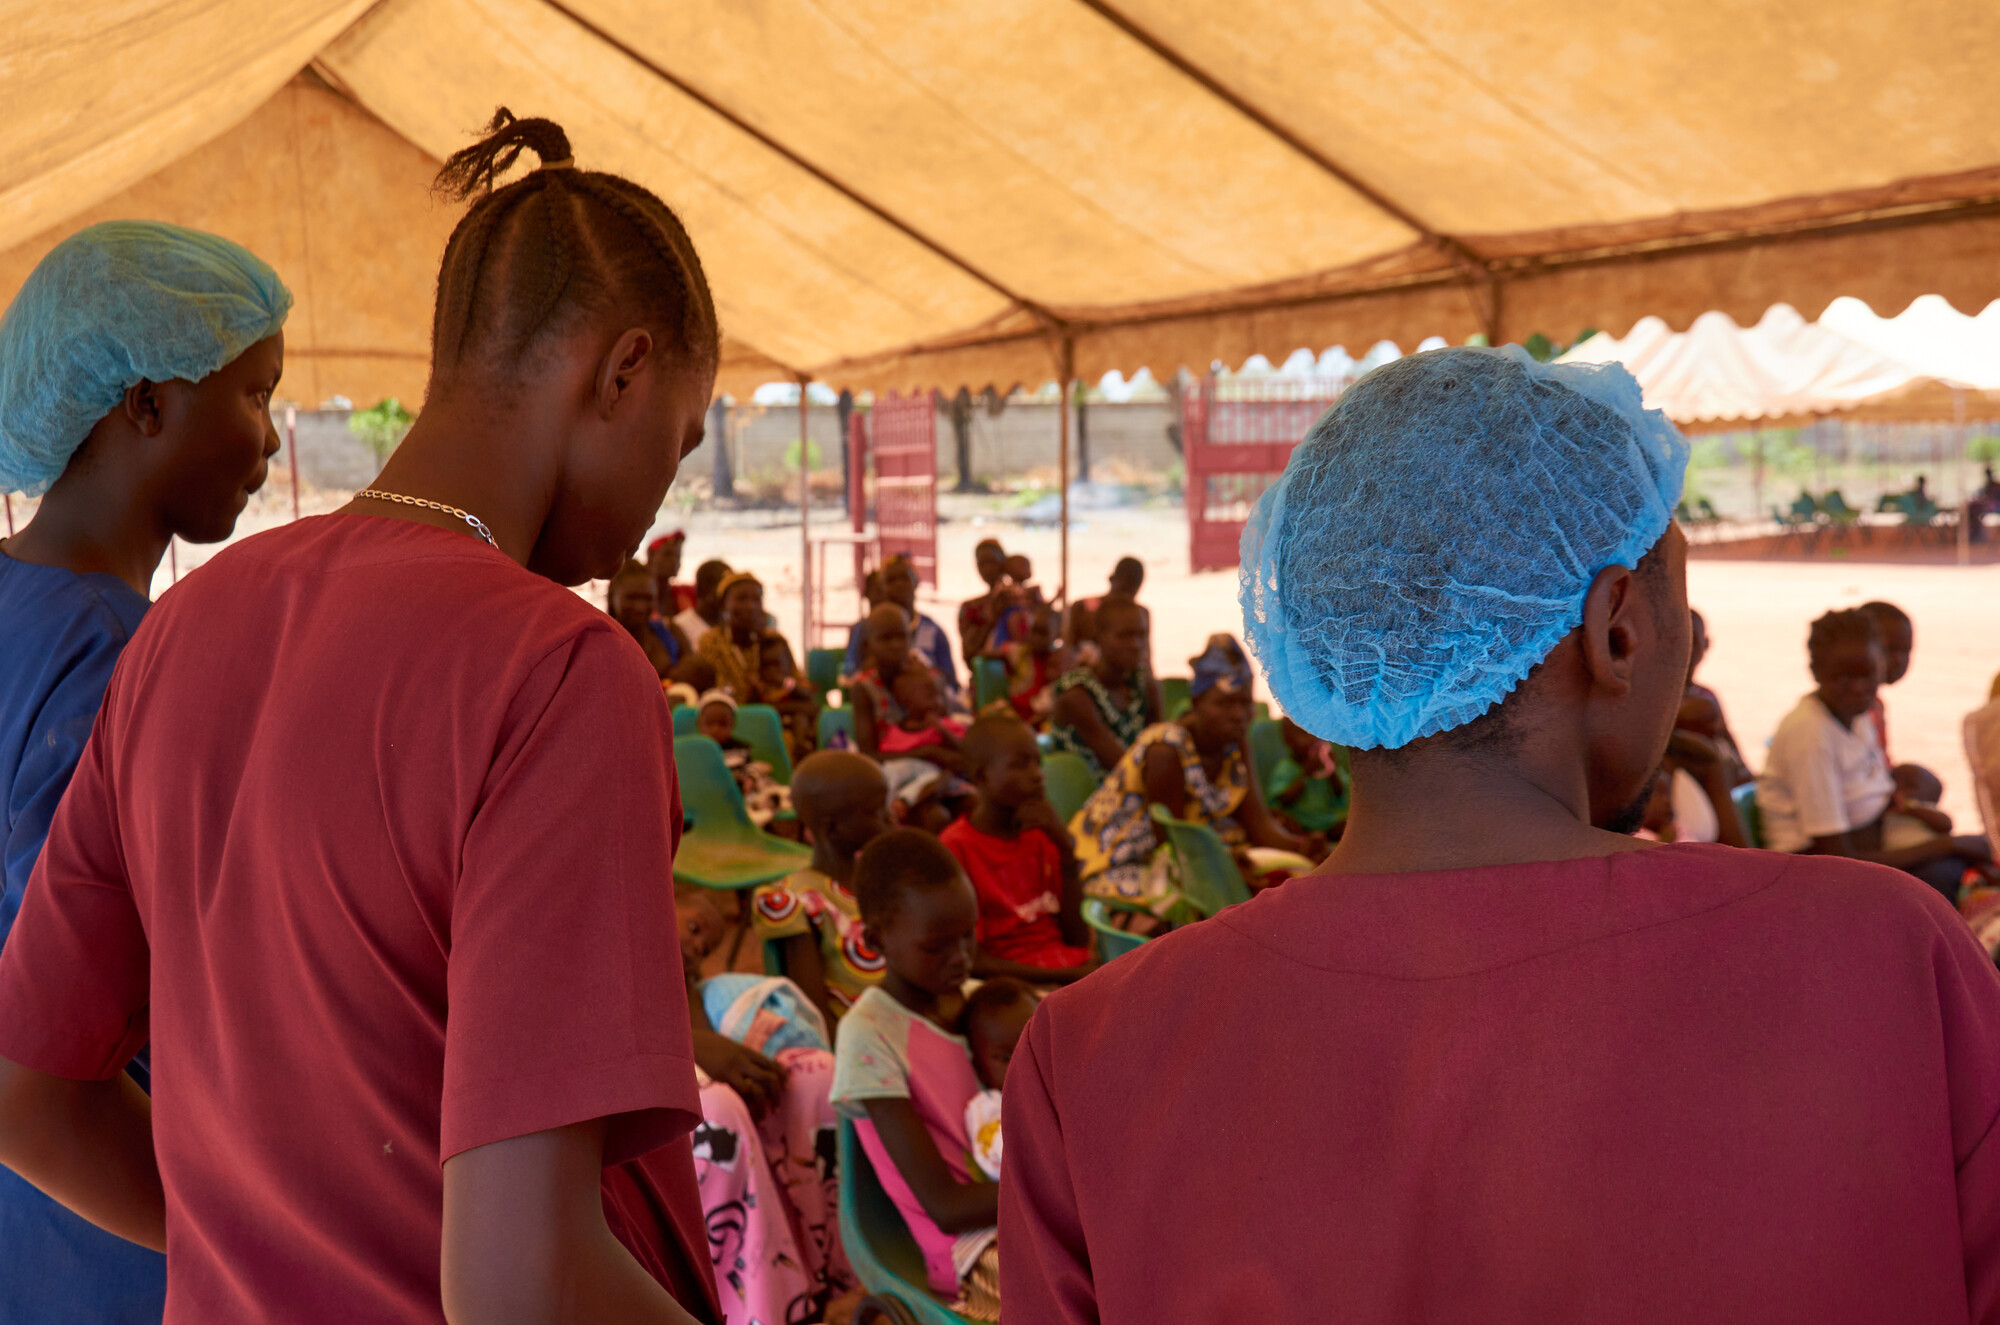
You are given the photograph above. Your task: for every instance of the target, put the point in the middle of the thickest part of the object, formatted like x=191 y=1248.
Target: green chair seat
x=1748 y=813
x=685 y=717
x=1111 y=940
x=876 y=1238
x=759 y=727
x=1173 y=696
x=1210 y=880
x=989 y=681
x=1267 y=747
x=722 y=848
x=833 y=722
x=823 y=669
x=1068 y=782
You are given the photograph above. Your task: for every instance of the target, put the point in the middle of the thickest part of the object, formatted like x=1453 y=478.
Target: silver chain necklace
x=478 y=525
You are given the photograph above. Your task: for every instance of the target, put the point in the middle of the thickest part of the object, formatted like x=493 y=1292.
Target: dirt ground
x=1757 y=611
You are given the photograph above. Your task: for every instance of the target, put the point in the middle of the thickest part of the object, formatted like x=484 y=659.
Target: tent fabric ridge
x=1452 y=248
x=817 y=172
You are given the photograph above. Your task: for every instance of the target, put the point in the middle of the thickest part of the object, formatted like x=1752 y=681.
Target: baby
x=994 y=1019
x=925 y=731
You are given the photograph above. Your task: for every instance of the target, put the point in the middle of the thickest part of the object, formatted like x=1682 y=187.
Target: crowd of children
x=520 y=1088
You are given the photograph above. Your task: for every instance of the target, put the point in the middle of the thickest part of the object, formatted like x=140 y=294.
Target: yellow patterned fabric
x=1115 y=844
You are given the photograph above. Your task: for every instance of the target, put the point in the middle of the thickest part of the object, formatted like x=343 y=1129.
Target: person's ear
x=872 y=936
x=1612 y=630
x=141 y=407
x=629 y=355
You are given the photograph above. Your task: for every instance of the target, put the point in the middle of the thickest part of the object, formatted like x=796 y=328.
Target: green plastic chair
x=1836 y=508
x=1173 y=696
x=1111 y=940
x=1267 y=747
x=1209 y=878
x=685 y=717
x=1068 y=782
x=877 y=1240
x=1804 y=509
x=1748 y=814
x=989 y=681
x=823 y=669
x=723 y=849
x=759 y=727
x=834 y=722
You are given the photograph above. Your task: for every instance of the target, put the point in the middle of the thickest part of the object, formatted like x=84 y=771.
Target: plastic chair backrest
x=1267 y=747
x=1068 y=782
x=685 y=717
x=1111 y=940
x=823 y=668
x=709 y=795
x=759 y=727
x=1173 y=694
x=832 y=721
x=1748 y=814
x=989 y=681
x=877 y=1240
x=1209 y=878
x=1835 y=505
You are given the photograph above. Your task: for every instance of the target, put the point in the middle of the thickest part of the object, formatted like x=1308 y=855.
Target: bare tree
x=718 y=436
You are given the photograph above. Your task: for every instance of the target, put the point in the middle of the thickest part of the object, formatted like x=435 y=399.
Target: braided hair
x=534 y=257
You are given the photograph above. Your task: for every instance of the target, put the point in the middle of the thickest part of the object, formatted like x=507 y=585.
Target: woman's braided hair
x=532 y=256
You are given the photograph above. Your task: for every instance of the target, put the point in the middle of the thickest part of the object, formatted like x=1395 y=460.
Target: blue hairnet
x=1435 y=534
x=109 y=307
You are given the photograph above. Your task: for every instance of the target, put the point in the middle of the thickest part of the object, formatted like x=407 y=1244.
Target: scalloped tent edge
x=909 y=199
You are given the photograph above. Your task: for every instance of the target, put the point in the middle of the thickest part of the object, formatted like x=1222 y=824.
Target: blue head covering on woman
x=1435 y=534
x=112 y=306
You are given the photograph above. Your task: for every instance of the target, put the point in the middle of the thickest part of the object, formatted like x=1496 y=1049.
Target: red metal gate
x=905 y=446
x=1236 y=436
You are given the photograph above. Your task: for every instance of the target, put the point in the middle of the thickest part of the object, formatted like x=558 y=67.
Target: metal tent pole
x=805 y=523
x=1958 y=468
x=1065 y=369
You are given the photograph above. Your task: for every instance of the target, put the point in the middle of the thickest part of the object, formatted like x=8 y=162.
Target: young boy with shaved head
x=1509 y=1064
x=843 y=801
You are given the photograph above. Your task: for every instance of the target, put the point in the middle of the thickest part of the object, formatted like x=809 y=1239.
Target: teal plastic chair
x=834 y=722
x=1068 y=782
x=722 y=848
x=759 y=727
x=685 y=717
x=989 y=681
x=1747 y=813
x=823 y=669
x=1209 y=878
x=877 y=1240
x=1173 y=696
x=1267 y=747
x=1111 y=940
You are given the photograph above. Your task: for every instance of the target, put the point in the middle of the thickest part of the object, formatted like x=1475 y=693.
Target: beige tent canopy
x=906 y=193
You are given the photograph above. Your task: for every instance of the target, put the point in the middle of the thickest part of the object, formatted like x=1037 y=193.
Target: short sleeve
x=1045 y=1275
x=76 y=972
x=566 y=1000
x=871 y=1060
x=777 y=913
x=1812 y=771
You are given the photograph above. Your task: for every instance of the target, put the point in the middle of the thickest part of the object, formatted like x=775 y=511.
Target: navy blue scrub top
x=60 y=636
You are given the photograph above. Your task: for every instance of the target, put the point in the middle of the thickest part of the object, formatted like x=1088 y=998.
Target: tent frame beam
x=859 y=199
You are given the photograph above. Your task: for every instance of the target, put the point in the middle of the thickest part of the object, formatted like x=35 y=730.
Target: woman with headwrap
x=136 y=371
x=1198 y=769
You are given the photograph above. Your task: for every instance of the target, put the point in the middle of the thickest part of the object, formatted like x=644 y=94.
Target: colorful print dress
x=1115 y=845
x=809 y=902
x=1126 y=721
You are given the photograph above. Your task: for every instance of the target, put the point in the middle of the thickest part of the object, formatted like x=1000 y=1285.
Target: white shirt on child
x=1821 y=777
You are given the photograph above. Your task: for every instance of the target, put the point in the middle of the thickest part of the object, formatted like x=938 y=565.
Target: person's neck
x=831 y=863
x=994 y=819
x=467 y=452
x=920 y=1001
x=711 y=613
x=742 y=638
x=94 y=529
x=1112 y=676
x=1834 y=713
x=1502 y=811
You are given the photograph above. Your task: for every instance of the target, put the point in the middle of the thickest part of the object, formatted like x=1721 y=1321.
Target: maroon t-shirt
x=1683 y=1084
x=374 y=840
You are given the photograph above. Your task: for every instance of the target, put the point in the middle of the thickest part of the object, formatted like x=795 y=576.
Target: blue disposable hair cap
x=1434 y=535
x=112 y=306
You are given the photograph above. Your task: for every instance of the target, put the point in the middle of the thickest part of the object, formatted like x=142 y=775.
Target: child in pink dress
x=903 y=1074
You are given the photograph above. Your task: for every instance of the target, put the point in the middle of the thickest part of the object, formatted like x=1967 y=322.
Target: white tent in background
x=1930 y=336
x=1717 y=374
